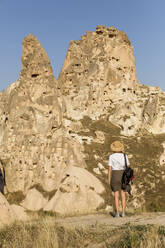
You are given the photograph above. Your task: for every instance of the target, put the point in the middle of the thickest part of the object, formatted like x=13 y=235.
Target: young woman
x=115 y=172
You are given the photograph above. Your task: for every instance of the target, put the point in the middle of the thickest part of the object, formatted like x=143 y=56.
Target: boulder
x=7 y=214
x=20 y=212
x=34 y=200
x=78 y=193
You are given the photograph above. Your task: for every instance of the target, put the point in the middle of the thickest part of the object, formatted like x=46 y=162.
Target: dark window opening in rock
x=44 y=93
x=99 y=32
x=119 y=69
x=129 y=128
x=50 y=112
x=35 y=75
x=20 y=161
x=134 y=92
x=53 y=127
x=122 y=128
x=129 y=89
x=67 y=175
x=117 y=59
x=79 y=74
x=111 y=35
x=77 y=65
x=6 y=119
x=124 y=90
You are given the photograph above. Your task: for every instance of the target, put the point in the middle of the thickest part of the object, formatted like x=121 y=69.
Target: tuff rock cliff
x=55 y=134
x=98 y=79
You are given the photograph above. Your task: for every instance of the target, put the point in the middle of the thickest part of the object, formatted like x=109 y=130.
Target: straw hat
x=117 y=146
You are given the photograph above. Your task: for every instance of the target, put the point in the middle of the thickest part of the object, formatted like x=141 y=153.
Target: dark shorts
x=116 y=178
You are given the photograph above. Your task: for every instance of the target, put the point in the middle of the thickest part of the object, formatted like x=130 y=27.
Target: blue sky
x=56 y=22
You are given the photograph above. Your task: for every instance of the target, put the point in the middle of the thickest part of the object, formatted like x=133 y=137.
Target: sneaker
x=123 y=214
x=117 y=215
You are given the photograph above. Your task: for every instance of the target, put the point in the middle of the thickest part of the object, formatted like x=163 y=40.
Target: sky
x=56 y=22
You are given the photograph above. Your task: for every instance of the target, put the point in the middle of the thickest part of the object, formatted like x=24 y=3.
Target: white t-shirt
x=117 y=161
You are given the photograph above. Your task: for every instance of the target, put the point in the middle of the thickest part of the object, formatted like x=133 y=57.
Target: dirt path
x=97 y=219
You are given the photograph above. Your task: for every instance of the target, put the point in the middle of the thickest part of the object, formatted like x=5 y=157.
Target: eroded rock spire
x=35 y=61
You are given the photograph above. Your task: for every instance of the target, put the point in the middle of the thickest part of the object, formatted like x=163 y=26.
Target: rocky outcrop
x=54 y=134
x=34 y=200
x=78 y=193
x=20 y=212
x=35 y=148
x=7 y=214
x=98 y=79
x=32 y=137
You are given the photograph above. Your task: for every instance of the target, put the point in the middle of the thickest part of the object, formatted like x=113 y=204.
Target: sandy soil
x=107 y=219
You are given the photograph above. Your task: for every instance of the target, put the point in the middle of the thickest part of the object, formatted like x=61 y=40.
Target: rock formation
x=98 y=79
x=35 y=148
x=7 y=214
x=55 y=134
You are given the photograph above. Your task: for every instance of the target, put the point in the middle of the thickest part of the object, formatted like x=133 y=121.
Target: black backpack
x=128 y=176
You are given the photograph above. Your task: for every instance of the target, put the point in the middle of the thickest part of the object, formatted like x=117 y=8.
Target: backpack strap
x=125 y=160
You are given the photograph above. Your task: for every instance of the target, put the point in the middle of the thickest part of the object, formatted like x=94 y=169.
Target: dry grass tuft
x=45 y=233
x=33 y=234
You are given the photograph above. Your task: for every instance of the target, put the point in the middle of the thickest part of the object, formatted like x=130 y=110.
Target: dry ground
x=108 y=219
x=88 y=231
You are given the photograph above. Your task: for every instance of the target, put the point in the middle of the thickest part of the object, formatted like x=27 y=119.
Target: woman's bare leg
x=117 y=201
x=123 y=200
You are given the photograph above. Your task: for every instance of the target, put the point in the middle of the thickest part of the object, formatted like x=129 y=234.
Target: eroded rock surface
x=32 y=137
x=35 y=148
x=53 y=131
x=98 y=79
x=34 y=200
x=20 y=212
x=7 y=214
x=78 y=193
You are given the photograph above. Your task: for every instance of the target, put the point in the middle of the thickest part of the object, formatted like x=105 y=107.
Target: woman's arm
x=109 y=174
